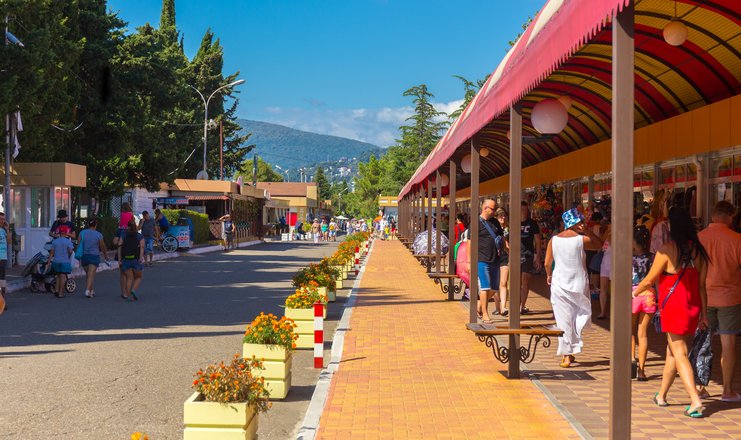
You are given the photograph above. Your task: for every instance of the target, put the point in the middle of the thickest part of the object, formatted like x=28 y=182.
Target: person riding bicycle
x=161 y=224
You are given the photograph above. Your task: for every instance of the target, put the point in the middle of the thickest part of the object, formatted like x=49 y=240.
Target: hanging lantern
x=509 y=135
x=549 y=116
x=566 y=101
x=484 y=152
x=675 y=33
x=466 y=163
x=444 y=180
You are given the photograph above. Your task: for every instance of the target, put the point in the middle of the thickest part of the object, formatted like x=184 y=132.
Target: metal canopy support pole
x=515 y=238
x=452 y=214
x=590 y=190
x=623 y=90
x=438 y=217
x=428 y=266
x=474 y=233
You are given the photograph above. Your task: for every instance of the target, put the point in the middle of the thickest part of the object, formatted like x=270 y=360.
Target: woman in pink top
x=126 y=216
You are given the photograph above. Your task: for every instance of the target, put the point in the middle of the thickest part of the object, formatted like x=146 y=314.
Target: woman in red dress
x=680 y=267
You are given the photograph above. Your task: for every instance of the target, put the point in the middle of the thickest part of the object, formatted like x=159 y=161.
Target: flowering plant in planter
x=233 y=382
x=305 y=297
x=268 y=329
x=322 y=274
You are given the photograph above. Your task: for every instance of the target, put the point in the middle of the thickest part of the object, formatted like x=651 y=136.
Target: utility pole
x=8 y=138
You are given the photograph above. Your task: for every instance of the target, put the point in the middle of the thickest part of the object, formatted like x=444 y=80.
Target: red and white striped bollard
x=318 y=335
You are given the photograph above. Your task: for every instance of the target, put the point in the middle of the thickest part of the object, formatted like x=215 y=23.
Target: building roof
x=286 y=189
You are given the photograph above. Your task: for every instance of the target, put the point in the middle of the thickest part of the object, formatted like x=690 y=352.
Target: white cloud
x=376 y=126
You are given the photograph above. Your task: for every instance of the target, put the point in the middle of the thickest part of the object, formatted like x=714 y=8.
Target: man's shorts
x=88 y=260
x=527 y=263
x=148 y=245
x=488 y=276
x=130 y=264
x=725 y=320
x=64 y=268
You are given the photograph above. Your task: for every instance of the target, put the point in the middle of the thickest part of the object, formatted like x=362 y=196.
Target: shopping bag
x=461 y=263
x=701 y=356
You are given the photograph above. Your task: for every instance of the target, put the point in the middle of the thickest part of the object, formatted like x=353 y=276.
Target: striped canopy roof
x=567 y=51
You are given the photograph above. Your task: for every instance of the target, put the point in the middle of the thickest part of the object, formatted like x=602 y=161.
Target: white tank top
x=570 y=273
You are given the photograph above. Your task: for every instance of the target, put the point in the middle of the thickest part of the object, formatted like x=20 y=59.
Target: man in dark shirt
x=530 y=258
x=62 y=220
x=488 y=259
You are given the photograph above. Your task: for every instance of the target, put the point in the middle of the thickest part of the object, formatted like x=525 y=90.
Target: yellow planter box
x=277 y=361
x=304 y=319
x=338 y=284
x=322 y=290
x=218 y=421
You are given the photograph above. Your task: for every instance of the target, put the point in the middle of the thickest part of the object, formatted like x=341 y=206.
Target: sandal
x=488 y=321
x=564 y=364
x=656 y=401
x=696 y=413
x=524 y=311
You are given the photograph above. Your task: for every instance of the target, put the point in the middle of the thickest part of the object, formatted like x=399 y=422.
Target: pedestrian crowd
x=688 y=284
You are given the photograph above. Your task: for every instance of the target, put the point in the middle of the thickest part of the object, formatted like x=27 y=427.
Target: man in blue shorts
x=488 y=258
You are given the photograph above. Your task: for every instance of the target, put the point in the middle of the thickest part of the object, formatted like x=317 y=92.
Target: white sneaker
x=92 y=294
x=88 y=294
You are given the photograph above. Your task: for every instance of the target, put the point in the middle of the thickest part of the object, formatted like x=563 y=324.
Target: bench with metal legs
x=538 y=332
x=447 y=283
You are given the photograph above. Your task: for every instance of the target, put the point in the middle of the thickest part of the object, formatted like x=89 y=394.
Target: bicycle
x=167 y=242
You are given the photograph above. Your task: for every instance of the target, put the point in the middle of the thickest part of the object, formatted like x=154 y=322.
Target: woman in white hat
x=569 y=282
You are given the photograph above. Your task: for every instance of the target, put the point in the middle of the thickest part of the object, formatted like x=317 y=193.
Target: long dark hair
x=683 y=232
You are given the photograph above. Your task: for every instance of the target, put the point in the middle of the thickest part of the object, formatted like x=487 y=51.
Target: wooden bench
x=424 y=259
x=447 y=283
x=537 y=332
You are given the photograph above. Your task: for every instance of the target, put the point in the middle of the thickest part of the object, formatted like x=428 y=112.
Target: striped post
x=318 y=335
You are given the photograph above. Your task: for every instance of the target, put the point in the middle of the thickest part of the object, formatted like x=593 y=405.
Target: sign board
x=291 y=218
x=182 y=234
x=172 y=201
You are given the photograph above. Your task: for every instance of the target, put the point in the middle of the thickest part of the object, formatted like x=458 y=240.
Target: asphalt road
x=104 y=368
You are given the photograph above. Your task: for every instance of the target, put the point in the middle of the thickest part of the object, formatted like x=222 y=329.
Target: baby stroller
x=42 y=275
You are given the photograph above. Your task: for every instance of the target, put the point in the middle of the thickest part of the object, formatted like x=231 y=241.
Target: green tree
x=529 y=20
x=322 y=183
x=265 y=172
x=368 y=187
x=426 y=124
x=470 y=89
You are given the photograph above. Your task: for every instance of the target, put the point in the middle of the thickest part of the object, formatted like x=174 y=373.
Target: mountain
x=291 y=150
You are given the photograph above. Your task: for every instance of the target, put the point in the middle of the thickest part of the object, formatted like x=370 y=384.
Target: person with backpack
x=333 y=230
x=130 y=259
x=90 y=248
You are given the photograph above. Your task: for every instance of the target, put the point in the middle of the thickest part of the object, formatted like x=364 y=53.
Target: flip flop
x=735 y=398
x=656 y=401
x=696 y=414
x=488 y=321
x=565 y=365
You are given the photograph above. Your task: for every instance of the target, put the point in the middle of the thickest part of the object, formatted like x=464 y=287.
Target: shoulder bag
x=498 y=239
x=79 y=250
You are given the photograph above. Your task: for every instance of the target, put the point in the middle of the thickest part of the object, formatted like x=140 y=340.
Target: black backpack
x=130 y=247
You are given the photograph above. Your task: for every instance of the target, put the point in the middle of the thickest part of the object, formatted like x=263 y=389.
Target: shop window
x=666 y=175
x=18 y=197
x=40 y=200
x=721 y=167
x=737 y=165
x=691 y=172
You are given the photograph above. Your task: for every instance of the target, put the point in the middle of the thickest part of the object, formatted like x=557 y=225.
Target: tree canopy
x=117 y=102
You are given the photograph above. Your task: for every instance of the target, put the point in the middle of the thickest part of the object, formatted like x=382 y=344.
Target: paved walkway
x=410 y=369
x=583 y=390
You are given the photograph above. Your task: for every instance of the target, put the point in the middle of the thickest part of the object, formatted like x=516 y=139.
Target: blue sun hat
x=572 y=217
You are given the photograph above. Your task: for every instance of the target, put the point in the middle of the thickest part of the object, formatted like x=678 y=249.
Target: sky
x=339 y=67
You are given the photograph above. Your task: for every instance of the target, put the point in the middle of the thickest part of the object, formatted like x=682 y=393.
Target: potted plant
x=322 y=275
x=272 y=340
x=300 y=308
x=227 y=401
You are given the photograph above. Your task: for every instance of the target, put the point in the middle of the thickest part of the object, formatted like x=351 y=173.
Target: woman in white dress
x=569 y=282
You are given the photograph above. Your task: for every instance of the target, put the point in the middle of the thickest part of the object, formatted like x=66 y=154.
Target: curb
x=78 y=272
x=313 y=415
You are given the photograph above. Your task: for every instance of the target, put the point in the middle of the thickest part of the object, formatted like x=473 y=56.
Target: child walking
x=644 y=305
x=61 y=259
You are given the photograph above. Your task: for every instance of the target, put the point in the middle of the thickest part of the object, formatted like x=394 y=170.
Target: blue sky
x=340 y=66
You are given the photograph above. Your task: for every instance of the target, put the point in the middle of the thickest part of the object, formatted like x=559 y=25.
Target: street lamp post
x=10 y=139
x=203 y=175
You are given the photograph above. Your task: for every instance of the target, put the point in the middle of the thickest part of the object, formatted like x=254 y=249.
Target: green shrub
x=200 y=222
x=108 y=227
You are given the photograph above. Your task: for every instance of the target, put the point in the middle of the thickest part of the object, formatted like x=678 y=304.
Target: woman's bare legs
x=644 y=320
x=677 y=361
x=503 y=288
x=604 y=290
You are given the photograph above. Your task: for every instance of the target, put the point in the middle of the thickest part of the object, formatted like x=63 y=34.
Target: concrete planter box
x=277 y=361
x=218 y=421
x=304 y=319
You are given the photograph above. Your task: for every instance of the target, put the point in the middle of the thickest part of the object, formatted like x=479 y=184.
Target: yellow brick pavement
x=410 y=369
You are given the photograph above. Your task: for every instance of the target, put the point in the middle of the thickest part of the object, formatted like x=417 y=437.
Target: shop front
x=38 y=191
